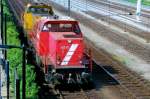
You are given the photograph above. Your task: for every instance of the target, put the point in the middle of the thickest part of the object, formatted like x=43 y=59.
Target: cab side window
x=76 y=29
x=47 y=27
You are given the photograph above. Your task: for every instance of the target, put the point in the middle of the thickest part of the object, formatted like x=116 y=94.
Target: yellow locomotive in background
x=34 y=12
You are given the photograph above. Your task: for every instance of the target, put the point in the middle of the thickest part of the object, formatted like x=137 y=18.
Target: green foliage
x=144 y=2
x=5 y=8
x=31 y=85
x=15 y=59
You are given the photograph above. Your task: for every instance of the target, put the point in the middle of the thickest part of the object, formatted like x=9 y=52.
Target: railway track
x=131 y=29
x=102 y=79
x=77 y=95
x=130 y=83
x=121 y=7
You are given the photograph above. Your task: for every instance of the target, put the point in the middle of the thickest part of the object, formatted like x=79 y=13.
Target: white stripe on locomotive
x=69 y=54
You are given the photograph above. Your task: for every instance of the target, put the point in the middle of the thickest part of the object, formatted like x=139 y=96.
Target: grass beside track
x=144 y=2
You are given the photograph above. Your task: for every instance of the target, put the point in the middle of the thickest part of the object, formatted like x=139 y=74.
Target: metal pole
x=86 y=6
x=69 y=8
x=138 y=10
x=2 y=21
x=5 y=31
x=1 y=36
x=1 y=67
x=24 y=74
x=17 y=85
x=0 y=82
x=7 y=75
x=18 y=88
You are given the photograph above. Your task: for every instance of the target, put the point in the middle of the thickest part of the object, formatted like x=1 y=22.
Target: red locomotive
x=60 y=50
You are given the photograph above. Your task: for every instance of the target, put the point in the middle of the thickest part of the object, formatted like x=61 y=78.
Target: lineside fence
x=4 y=62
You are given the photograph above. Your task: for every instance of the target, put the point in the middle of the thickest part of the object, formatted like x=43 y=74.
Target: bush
x=15 y=59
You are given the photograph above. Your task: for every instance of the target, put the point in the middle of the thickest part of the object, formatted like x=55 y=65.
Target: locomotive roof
x=39 y=5
x=58 y=20
x=44 y=21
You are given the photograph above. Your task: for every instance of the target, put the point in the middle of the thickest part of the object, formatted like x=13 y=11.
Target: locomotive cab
x=34 y=12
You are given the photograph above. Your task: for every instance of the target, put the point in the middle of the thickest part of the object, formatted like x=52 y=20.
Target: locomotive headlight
x=28 y=5
x=69 y=41
x=80 y=62
x=58 y=60
x=53 y=71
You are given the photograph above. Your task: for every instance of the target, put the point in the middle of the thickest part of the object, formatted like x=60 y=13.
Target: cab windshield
x=39 y=10
x=63 y=27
